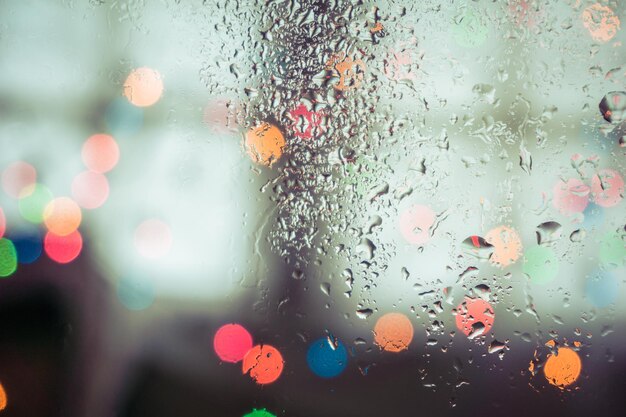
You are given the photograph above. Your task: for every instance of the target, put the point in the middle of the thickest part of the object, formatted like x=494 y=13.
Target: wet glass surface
x=315 y=207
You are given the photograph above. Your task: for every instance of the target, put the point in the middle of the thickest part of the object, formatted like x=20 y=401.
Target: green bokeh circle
x=540 y=264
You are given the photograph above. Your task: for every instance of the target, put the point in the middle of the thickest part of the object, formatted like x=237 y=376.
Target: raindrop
x=364 y=313
x=613 y=107
x=548 y=232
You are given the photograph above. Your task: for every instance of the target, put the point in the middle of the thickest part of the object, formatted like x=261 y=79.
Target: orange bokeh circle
x=62 y=216
x=564 y=368
x=100 y=153
x=3 y=398
x=507 y=246
x=393 y=332
x=601 y=22
x=265 y=144
x=143 y=87
x=264 y=363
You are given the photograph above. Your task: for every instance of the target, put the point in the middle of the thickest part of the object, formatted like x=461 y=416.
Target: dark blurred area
x=54 y=362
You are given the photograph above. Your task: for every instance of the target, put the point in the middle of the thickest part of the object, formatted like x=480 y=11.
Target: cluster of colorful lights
x=262 y=362
x=327 y=357
x=502 y=246
x=61 y=217
x=571 y=197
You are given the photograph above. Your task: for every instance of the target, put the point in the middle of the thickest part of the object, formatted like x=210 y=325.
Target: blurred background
x=315 y=207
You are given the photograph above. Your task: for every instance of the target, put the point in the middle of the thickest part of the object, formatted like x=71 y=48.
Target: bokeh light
x=347 y=181
x=90 y=189
x=100 y=153
x=259 y=413
x=469 y=30
x=540 y=264
x=415 y=224
x=136 y=293
x=264 y=144
x=62 y=216
x=3 y=222
x=264 y=363
x=232 y=342
x=28 y=246
x=33 y=200
x=143 y=87
x=564 y=368
x=18 y=176
x=153 y=239
x=593 y=217
x=507 y=246
x=524 y=13
x=347 y=72
x=3 y=398
x=601 y=22
x=63 y=249
x=393 y=332
x=601 y=288
x=612 y=251
x=474 y=317
x=607 y=188
x=327 y=358
x=570 y=197
x=8 y=258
